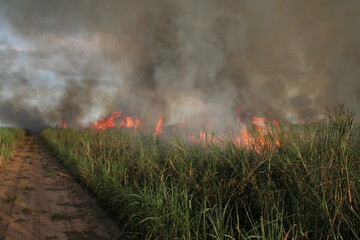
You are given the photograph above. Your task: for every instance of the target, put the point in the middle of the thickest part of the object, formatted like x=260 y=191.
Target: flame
x=107 y=122
x=63 y=124
x=115 y=120
x=245 y=139
x=158 y=127
x=276 y=123
x=137 y=123
x=274 y=120
x=259 y=123
x=256 y=139
x=129 y=123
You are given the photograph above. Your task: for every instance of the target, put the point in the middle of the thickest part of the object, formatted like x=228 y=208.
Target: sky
x=198 y=61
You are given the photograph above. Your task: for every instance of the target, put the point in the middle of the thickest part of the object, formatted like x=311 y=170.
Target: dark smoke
x=190 y=60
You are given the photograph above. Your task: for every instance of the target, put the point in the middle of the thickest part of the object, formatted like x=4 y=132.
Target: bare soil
x=39 y=200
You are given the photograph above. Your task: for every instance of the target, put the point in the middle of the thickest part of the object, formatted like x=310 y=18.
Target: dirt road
x=39 y=200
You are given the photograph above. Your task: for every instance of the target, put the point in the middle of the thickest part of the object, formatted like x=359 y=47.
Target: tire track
x=40 y=200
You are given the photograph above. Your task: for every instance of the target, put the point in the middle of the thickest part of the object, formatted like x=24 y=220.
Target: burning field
x=194 y=119
x=272 y=181
x=239 y=134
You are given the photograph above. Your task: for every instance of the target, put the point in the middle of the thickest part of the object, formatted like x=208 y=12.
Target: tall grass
x=160 y=188
x=10 y=137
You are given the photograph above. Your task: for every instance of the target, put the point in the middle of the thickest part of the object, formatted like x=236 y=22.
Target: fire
x=116 y=120
x=255 y=139
x=107 y=122
x=129 y=123
x=276 y=122
x=248 y=140
x=245 y=138
x=63 y=124
x=259 y=122
x=158 y=127
x=137 y=123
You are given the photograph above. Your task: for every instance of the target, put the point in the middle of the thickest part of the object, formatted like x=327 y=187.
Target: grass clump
x=160 y=188
x=29 y=188
x=9 y=199
x=10 y=138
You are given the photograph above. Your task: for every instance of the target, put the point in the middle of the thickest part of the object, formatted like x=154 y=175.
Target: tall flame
x=158 y=127
x=129 y=123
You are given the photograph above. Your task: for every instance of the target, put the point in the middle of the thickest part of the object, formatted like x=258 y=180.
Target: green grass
x=10 y=138
x=166 y=188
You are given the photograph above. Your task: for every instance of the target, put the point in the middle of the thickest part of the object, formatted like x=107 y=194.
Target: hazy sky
x=189 y=60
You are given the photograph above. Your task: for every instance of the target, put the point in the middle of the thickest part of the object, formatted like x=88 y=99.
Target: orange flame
x=63 y=124
x=158 y=127
x=129 y=123
x=245 y=138
x=107 y=122
x=255 y=140
x=276 y=122
x=259 y=123
x=115 y=120
x=137 y=123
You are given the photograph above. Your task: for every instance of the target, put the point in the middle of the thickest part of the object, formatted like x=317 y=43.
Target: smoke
x=192 y=61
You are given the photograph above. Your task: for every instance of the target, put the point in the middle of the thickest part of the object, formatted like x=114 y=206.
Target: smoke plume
x=196 y=61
